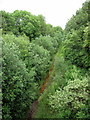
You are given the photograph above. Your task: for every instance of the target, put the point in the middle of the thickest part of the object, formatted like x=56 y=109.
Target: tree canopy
x=36 y=54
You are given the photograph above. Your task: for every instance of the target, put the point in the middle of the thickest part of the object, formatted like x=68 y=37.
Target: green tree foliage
x=8 y=22
x=74 y=50
x=46 y=42
x=49 y=30
x=80 y=19
x=52 y=31
x=49 y=43
x=21 y=41
x=86 y=38
x=67 y=92
x=42 y=25
x=25 y=64
x=19 y=88
x=30 y=46
x=76 y=44
x=26 y=23
x=72 y=101
x=38 y=59
x=22 y=22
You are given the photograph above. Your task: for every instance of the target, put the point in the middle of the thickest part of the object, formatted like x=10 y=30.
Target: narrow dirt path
x=46 y=80
x=33 y=109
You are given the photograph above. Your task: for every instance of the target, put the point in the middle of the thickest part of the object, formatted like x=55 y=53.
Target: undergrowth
x=49 y=101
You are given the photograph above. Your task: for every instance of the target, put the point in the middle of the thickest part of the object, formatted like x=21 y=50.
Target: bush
x=39 y=59
x=47 y=43
x=18 y=86
x=76 y=43
x=21 y=41
x=72 y=100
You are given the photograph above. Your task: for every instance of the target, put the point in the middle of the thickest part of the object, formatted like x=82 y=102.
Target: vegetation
x=30 y=49
x=77 y=39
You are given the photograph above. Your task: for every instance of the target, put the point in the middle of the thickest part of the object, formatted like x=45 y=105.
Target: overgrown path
x=33 y=109
x=46 y=79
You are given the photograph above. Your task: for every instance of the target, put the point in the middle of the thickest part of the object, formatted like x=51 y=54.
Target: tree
x=38 y=59
x=72 y=100
x=7 y=22
x=46 y=42
x=21 y=41
x=75 y=38
x=18 y=86
x=26 y=23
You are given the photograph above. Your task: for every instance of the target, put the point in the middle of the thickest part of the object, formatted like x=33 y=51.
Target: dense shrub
x=29 y=48
x=74 y=50
x=21 y=41
x=76 y=43
x=67 y=92
x=46 y=42
x=71 y=101
x=38 y=59
x=19 y=88
x=25 y=64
